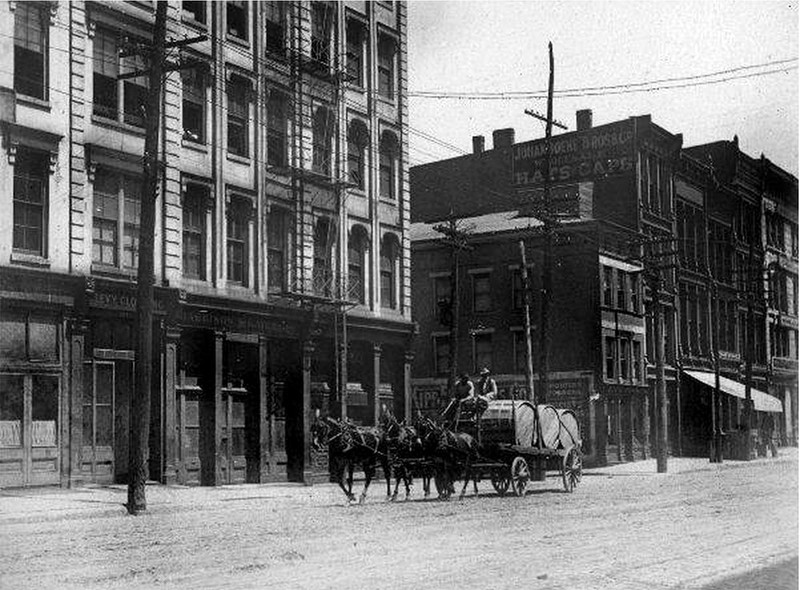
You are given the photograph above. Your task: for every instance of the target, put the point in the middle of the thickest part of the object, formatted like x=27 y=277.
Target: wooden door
x=276 y=417
x=189 y=435
x=233 y=460
x=97 y=452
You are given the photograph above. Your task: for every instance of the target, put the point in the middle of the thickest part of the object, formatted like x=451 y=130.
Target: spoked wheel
x=520 y=475
x=571 y=469
x=501 y=480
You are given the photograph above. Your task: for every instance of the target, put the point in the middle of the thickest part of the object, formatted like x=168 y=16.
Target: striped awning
x=762 y=402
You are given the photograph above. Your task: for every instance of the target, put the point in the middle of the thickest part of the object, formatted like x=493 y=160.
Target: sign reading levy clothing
x=596 y=153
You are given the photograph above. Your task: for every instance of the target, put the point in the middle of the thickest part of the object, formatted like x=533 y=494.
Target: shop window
x=355 y=52
x=386 y=56
x=119 y=100
x=323 y=247
x=195 y=206
x=238 y=114
x=357 y=139
x=236 y=18
x=117 y=210
x=388 y=165
x=28 y=340
x=321 y=26
x=31 y=29
x=482 y=351
x=195 y=10
x=278 y=238
x=481 y=292
x=31 y=179
x=441 y=354
x=277 y=129
x=44 y=411
x=322 y=138
x=11 y=410
x=238 y=240
x=275 y=27
x=388 y=271
x=194 y=104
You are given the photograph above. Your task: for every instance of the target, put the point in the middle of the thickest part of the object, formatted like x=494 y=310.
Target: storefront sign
x=580 y=156
x=241 y=323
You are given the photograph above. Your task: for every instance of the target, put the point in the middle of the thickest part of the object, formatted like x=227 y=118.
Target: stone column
x=376 y=382
x=408 y=393
x=172 y=337
x=645 y=426
x=308 y=353
x=264 y=424
x=618 y=426
x=215 y=475
x=629 y=434
x=72 y=429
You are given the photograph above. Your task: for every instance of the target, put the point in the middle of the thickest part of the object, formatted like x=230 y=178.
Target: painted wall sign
x=596 y=153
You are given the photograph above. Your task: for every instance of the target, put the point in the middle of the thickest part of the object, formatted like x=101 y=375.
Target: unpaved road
x=624 y=527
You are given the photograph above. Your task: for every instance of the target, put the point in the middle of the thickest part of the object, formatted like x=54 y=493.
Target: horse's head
x=322 y=431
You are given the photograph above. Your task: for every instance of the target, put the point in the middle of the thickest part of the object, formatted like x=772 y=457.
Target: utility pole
x=139 y=432
x=547 y=262
x=716 y=426
x=457 y=240
x=527 y=305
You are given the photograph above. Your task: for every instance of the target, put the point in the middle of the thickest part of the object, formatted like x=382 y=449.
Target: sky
x=501 y=46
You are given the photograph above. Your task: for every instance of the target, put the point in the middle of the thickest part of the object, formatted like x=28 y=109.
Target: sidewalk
x=47 y=504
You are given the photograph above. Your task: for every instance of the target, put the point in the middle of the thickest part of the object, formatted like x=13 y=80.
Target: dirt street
x=624 y=527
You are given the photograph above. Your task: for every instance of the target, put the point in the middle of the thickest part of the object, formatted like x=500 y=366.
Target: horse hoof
x=393 y=498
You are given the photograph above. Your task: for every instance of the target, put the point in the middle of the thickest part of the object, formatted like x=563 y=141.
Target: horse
x=349 y=445
x=405 y=449
x=455 y=452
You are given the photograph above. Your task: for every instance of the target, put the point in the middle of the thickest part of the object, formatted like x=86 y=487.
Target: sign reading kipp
x=593 y=154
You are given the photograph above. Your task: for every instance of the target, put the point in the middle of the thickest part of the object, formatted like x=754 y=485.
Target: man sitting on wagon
x=463 y=391
x=487 y=388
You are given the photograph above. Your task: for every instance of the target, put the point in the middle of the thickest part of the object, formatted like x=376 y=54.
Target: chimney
x=478 y=144
x=583 y=119
x=503 y=138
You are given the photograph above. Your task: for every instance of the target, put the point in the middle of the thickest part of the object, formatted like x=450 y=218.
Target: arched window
x=388 y=165
x=390 y=249
x=322 y=133
x=357 y=140
x=323 y=246
x=357 y=246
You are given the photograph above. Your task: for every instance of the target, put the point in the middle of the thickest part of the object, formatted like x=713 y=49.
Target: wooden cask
x=508 y=421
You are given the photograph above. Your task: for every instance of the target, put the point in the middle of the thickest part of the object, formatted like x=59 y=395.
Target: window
x=775 y=232
x=323 y=246
x=194 y=105
x=277 y=129
x=608 y=282
x=238 y=113
x=195 y=10
x=238 y=240
x=793 y=237
x=236 y=14
x=633 y=281
x=442 y=294
x=481 y=292
x=30 y=201
x=517 y=289
x=357 y=139
x=624 y=358
x=117 y=208
x=194 y=231
x=278 y=239
x=322 y=136
x=637 y=361
x=482 y=351
x=720 y=251
x=386 y=52
x=355 y=52
x=652 y=183
x=356 y=250
x=441 y=354
x=321 y=25
x=30 y=49
x=113 y=97
x=389 y=251
x=622 y=289
x=275 y=27
x=387 y=165
x=611 y=357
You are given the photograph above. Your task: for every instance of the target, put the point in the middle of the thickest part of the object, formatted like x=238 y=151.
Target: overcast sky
x=501 y=46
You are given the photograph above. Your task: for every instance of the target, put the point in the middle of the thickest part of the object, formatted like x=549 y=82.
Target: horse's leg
x=340 y=469
x=467 y=476
x=387 y=474
x=350 y=467
x=369 y=472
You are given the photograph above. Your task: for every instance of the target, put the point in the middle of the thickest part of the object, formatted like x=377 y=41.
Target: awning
x=762 y=402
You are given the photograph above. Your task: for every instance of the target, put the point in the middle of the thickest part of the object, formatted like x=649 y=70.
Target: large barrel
x=549 y=426
x=570 y=432
x=508 y=421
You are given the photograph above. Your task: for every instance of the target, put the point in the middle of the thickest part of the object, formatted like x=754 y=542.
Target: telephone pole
x=527 y=305
x=547 y=261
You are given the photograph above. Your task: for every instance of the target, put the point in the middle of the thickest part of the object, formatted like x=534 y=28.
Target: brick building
x=283 y=214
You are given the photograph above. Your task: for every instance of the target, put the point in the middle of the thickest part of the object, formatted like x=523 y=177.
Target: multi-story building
x=281 y=234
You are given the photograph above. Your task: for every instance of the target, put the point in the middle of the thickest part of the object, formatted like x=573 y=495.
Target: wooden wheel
x=571 y=469
x=520 y=475
x=501 y=480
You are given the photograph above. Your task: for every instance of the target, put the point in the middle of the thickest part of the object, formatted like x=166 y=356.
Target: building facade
x=281 y=251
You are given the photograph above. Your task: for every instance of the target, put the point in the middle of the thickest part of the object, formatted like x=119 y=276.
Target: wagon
x=518 y=443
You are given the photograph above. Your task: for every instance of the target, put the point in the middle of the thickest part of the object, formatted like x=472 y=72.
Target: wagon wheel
x=501 y=480
x=520 y=475
x=571 y=469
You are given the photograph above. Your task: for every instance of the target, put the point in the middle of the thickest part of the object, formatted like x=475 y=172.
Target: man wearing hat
x=487 y=388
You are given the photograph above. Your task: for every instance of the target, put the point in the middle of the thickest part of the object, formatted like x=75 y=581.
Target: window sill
x=117 y=125
x=357 y=88
x=194 y=23
x=391 y=202
x=390 y=101
x=33 y=260
x=239 y=159
x=277 y=56
x=194 y=146
x=244 y=43
x=358 y=192
x=114 y=271
x=33 y=102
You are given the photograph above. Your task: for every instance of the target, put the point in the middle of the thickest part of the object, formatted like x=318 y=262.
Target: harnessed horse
x=406 y=454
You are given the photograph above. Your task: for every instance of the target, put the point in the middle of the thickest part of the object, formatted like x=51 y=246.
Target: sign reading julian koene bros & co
x=582 y=156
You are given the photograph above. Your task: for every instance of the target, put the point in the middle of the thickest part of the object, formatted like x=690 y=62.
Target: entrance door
x=108 y=386
x=29 y=430
x=276 y=416
x=233 y=463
